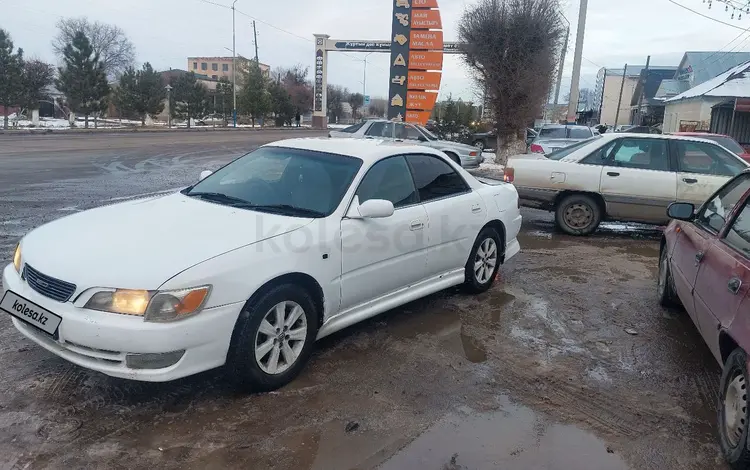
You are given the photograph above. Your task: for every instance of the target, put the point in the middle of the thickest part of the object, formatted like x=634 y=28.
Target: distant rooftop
x=734 y=83
x=705 y=65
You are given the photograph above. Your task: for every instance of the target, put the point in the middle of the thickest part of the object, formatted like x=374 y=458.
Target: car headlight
x=176 y=304
x=154 y=306
x=17 y=258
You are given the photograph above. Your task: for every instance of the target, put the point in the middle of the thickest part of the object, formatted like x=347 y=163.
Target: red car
x=704 y=265
x=723 y=140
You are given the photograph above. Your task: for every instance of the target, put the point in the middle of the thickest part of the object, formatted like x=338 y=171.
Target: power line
x=706 y=16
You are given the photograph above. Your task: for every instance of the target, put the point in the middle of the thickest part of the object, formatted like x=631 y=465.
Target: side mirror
x=376 y=209
x=205 y=174
x=681 y=211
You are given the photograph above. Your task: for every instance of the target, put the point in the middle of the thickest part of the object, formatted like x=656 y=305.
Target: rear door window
x=706 y=159
x=380 y=129
x=434 y=178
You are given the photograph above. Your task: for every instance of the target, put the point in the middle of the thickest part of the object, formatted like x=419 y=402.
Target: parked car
x=721 y=139
x=704 y=265
x=552 y=137
x=463 y=154
x=252 y=264
x=488 y=140
x=628 y=177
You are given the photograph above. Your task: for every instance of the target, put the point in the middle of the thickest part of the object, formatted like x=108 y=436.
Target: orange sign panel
x=426 y=40
x=424 y=4
x=426 y=19
x=417 y=117
x=424 y=100
x=425 y=60
x=423 y=80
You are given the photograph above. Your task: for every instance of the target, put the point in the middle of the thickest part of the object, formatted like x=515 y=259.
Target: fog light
x=153 y=360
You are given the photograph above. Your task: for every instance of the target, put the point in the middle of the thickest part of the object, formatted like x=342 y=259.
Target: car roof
x=618 y=135
x=699 y=134
x=368 y=150
x=559 y=126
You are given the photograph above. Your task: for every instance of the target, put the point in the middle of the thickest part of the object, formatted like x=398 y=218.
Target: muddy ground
x=537 y=373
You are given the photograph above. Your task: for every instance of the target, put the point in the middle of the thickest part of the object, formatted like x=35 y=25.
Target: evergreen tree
x=356 y=101
x=141 y=92
x=224 y=97
x=254 y=98
x=281 y=104
x=82 y=79
x=11 y=75
x=190 y=98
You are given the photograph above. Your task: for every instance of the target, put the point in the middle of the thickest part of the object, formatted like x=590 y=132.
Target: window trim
x=678 y=164
x=610 y=160
x=696 y=221
x=467 y=187
x=414 y=184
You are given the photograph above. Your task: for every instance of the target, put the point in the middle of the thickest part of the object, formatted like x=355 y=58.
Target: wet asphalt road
x=536 y=373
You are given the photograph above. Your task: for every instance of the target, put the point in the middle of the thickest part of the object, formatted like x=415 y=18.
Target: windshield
x=565 y=151
x=427 y=133
x=727 y=142
x=565 y=133
x=292 y=182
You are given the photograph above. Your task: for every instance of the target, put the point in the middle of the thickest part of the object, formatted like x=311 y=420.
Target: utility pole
x=234 y=70
x=573 y=101
x=619 y=100
x=560 y=67
x=643 y=91
x=169 y=105
x=255 y=38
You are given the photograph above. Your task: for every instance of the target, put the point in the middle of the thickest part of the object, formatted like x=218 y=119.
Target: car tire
x=248 y=366
x=484 y=261
x=734 y=413
x=665 y=282
x=578 y=214
x=479 y=144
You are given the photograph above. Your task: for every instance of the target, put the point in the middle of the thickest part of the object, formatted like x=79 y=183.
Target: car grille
x=48 y=286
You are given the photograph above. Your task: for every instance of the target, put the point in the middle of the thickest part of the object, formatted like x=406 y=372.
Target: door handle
x=734 y=285
x=416 y=225
x=699 y=257
x=612 y=173
x=476 y=209
x=690 y=180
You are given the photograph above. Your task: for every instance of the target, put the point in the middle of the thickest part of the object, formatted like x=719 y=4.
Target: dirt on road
x=540 y=372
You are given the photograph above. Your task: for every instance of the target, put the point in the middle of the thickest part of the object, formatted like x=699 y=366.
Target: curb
x=44 y=131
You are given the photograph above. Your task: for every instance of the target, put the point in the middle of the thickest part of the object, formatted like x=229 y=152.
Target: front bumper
x=101 y=341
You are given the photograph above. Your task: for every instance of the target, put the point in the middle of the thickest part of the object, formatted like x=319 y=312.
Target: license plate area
x=30 y=313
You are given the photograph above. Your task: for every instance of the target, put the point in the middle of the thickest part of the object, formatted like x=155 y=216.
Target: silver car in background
x=465 y=155
x=553 y=137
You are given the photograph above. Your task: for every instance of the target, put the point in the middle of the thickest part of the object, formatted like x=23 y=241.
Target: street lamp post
x=234 y=70
x=169 y=105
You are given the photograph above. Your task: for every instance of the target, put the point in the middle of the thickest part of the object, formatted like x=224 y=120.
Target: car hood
x=141 y=244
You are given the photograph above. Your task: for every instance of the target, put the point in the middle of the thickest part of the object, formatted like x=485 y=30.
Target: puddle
x=514 y=438
x=444 y=325
x=538 y=240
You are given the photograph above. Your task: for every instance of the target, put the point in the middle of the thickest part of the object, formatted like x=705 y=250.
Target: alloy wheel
x=485 y=260
x=280 y=338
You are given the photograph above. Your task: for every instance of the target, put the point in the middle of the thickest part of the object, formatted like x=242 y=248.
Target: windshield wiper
x=287 y=208
x=221 y=198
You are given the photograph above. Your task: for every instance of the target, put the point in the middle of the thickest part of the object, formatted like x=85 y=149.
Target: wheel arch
x=727 y=344
x=499 y=227
x=303 y=280
x=453 y=156
x=596 y=196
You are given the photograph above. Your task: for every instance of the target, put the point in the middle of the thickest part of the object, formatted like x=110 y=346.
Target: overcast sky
x=166 y=32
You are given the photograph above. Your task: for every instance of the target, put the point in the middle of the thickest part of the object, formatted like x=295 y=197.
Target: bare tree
x=109 y=41
x=511 y=46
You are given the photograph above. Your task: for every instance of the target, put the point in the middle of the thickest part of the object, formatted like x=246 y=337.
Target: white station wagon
x=252 y=264
x=626 y=177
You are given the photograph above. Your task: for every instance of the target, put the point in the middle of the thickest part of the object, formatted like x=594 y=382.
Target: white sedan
x=252 y=264
x=627 y=177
